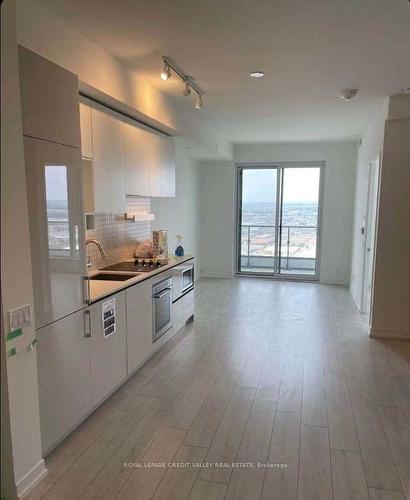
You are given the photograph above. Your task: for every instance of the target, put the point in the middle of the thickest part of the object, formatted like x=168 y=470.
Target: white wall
x=16 y=282
x=391 y=299
x=218 y=203
x=182 y=214
x=369 y=149
x=217 y=219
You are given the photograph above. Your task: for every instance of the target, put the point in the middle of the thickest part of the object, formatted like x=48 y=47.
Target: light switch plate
x=20 y=317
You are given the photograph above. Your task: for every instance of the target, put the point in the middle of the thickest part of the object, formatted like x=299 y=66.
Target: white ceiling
x=308 y=49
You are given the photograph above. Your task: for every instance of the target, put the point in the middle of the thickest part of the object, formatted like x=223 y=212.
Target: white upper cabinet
x=108 y=160
x=136 y=159
x=127 y=158
x=161 y=165
x=49 y=98
x=86 y=130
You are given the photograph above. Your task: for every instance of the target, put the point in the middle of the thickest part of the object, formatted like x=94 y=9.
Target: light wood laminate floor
x=271 y=373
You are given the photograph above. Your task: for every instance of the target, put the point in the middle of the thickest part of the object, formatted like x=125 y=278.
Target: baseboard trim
x=217 y=276
x=33 y=477
x=378 y=333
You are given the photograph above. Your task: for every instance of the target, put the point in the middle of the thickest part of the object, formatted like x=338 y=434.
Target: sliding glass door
x=278 y=220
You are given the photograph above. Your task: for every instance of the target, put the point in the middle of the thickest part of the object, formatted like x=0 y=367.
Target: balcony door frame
x=279 y=166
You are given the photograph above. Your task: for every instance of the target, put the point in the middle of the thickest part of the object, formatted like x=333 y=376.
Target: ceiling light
x=189 y=84
x=406 y=91
x=348 y=94
x=187 y=89
x=166 y=72
x=198 y=102
x=257 y=74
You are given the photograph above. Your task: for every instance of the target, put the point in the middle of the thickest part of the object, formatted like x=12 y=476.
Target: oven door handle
x=160 y=295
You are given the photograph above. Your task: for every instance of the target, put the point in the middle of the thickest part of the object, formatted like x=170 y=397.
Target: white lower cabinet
x=63 y=362
x=139 y=324
x=177 y=320
x=108 y=351
x=188 y=304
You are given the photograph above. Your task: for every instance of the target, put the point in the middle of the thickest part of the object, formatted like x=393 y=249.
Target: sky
x=300 y=185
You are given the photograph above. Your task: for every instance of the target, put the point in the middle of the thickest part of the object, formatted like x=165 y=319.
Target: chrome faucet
x=100 y=248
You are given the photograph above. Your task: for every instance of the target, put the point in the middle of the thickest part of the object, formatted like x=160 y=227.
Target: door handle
x=159 y=295
x=87 y=323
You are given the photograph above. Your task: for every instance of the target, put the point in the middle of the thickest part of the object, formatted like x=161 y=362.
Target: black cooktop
x=138 y=266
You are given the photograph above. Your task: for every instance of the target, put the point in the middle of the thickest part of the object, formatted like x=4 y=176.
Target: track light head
x=166 y=72
x=198 y=102
x=187 y=88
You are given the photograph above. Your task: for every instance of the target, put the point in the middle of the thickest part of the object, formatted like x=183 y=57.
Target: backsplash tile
x=118 y=236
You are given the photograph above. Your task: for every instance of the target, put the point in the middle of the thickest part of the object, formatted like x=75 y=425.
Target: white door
x=63 y=363
x=139 y=324
x=137 y=181
x=108 y=348
x=370 y=236
x=108 y=154
x=53 y=175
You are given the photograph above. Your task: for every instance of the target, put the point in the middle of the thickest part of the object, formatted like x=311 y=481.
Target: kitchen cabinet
x=86 y=129
x=63 y=363
x=108 y=160
x=137 y=177
x=188 y=302
x=178 y=322
x=161 y=157
x=53 y=177
x=49 y=98
x=108 y=351
x=139 y=324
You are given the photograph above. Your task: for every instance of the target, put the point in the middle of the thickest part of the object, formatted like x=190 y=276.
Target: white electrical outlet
x=20 y=317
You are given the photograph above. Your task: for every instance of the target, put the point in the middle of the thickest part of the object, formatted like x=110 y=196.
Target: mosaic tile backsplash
x=118 y=236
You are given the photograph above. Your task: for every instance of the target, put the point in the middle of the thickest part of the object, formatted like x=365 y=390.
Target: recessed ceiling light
x=257 y=74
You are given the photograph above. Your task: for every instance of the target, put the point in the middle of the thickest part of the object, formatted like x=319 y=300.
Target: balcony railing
x=298 y=248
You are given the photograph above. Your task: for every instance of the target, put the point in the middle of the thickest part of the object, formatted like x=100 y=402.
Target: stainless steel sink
x=113 y=277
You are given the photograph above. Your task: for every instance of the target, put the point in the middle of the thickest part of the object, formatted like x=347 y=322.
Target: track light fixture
x=187 y=89
x=189 y=85
x=198 y=102
x=166 y=72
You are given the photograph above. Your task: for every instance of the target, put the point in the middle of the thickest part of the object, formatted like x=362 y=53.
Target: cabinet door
x=108 y=151
x=63 y=363
x=108 y=354
x=49 y=98
x=161 y=165
x=188 y=303
x=177 y=321
x=86 y=130
x=167 y=184
x=136 y=160
x=139 y=324
x=56 y=220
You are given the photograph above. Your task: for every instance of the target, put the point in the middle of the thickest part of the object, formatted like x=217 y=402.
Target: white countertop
x=100 y=288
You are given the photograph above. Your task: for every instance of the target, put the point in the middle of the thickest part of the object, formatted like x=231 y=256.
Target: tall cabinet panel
x=49 y=97
x=108 y=349
x=53 y=175
x=136 y=159
x=108 y=164
x=63 y=362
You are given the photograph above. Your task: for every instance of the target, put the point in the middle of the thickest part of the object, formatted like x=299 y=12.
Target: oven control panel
x=108 y=317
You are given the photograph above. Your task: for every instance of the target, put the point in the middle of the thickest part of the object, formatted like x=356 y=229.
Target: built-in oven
x=183 y=279
x=162 y=308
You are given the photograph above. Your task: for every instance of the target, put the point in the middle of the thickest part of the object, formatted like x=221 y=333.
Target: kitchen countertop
x=100 y=288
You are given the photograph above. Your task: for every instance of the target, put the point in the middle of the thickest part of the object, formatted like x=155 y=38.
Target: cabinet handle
x=86 y=289
x=87 y=323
